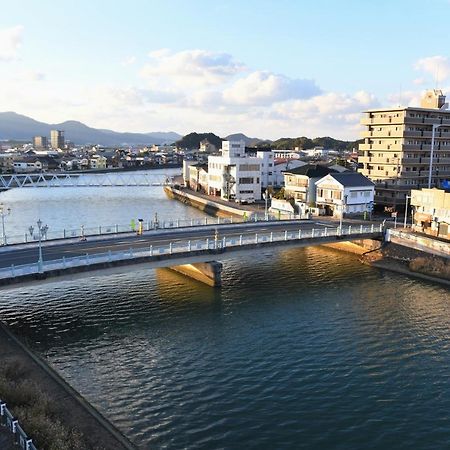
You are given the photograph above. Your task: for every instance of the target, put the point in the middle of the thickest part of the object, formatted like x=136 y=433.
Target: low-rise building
x=198 y=177
x=299 y=183
x=286 y=154
x=345 y=193
x=97 y=162
x=431 y=212
x=233 y=175
x=6 y=162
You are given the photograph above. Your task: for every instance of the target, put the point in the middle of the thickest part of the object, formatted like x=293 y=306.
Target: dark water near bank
x=300 y=349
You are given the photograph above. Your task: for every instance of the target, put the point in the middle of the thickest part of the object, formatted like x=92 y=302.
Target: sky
x=267 y=68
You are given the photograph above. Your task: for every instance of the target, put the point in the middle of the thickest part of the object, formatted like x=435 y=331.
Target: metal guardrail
x=103 y=230
x=181 y=247
x=8 y=421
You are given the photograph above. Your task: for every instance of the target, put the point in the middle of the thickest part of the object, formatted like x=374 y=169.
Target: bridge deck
x=178 y=251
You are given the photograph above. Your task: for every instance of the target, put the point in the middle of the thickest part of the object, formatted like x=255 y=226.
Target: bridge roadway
x=28 y=253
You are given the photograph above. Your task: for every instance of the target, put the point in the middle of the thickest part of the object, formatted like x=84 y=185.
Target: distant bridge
x=196 y=247
x=59 y=180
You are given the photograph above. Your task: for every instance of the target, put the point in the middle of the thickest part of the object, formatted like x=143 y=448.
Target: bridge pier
x=205 y=272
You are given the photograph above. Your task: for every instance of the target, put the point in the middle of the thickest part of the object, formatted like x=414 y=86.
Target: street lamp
x=406 y=209
x=266 y=197
x=42 y=232
x=343 y=205
x=3 y=213
x=435 y=127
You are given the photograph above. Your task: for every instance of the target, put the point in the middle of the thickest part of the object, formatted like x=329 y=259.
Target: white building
x=316 y=152
x=233 y=175
x=286 y=154
x=346 y=193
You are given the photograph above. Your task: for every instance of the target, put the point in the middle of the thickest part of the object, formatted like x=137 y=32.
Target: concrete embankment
x=208 y=205
x=399 y=258
x=72 y=410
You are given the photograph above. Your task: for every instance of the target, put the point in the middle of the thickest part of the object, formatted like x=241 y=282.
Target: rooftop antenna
x=436 y=80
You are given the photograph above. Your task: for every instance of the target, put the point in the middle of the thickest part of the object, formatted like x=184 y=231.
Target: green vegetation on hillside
x=192 y=140
x=306 y=143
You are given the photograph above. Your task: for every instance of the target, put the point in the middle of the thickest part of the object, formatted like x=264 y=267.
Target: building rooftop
x=351 y=179
x=311 y=170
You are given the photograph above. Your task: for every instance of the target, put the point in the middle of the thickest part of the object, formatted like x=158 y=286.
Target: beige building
x=395 y=153
x=431 y=212
x=57 y=139
x=40 y=142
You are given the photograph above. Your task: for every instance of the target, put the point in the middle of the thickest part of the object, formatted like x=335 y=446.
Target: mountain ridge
x=14 y=126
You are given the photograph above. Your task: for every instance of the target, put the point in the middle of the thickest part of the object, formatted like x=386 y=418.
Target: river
x=300 y=348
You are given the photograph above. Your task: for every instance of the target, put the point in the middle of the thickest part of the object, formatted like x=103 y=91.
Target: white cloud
x=128 y=61
x=189 y=68
x=192 y=90
x=10 y=41
x=419 y=81
x=264 y=88
x=437 y=66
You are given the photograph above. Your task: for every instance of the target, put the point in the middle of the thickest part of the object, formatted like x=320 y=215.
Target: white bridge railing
x=147 y=225
x=183 y=247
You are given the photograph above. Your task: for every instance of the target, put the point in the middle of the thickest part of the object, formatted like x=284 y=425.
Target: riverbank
x=398 y=258
x=49 y=409
x=214 y=207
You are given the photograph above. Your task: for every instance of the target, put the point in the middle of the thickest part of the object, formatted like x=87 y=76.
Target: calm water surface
x=299 y=349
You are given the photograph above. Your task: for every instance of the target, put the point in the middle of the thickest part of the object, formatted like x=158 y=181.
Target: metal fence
x=185 y=246
x=101 y=230
x=8 y=421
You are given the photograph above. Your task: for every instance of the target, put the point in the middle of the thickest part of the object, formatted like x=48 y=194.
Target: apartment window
x=246 y=180
x=249 y=167
x=353 y=194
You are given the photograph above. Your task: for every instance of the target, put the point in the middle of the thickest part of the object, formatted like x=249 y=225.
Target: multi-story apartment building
x=40 y=142
x=233 y=175
x=396 y=150
x=57 y=139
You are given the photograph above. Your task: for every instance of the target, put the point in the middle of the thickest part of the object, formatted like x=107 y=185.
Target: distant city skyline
x=267 y=69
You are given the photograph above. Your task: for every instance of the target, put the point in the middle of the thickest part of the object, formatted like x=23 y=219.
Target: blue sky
x=266 y=68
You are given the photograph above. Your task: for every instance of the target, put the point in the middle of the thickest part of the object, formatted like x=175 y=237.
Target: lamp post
x=42 y=231
x=266 y=212
x=433 y=132
x=406 y=210
x=344 y=203
x=3 y=213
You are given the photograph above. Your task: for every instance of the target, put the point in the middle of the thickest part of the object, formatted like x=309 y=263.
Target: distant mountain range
x=15 y=126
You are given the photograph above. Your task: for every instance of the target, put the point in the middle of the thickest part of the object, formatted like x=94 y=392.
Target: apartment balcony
x=383 y=134
x=426 y=120
x=382 y=147
x=328 y=201
x=381 y=120
x=295 y=188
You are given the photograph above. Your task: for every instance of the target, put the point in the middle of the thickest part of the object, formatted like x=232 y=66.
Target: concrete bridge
x=193 y=251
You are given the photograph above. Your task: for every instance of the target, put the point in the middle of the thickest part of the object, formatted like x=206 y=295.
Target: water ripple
x=299 y=349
